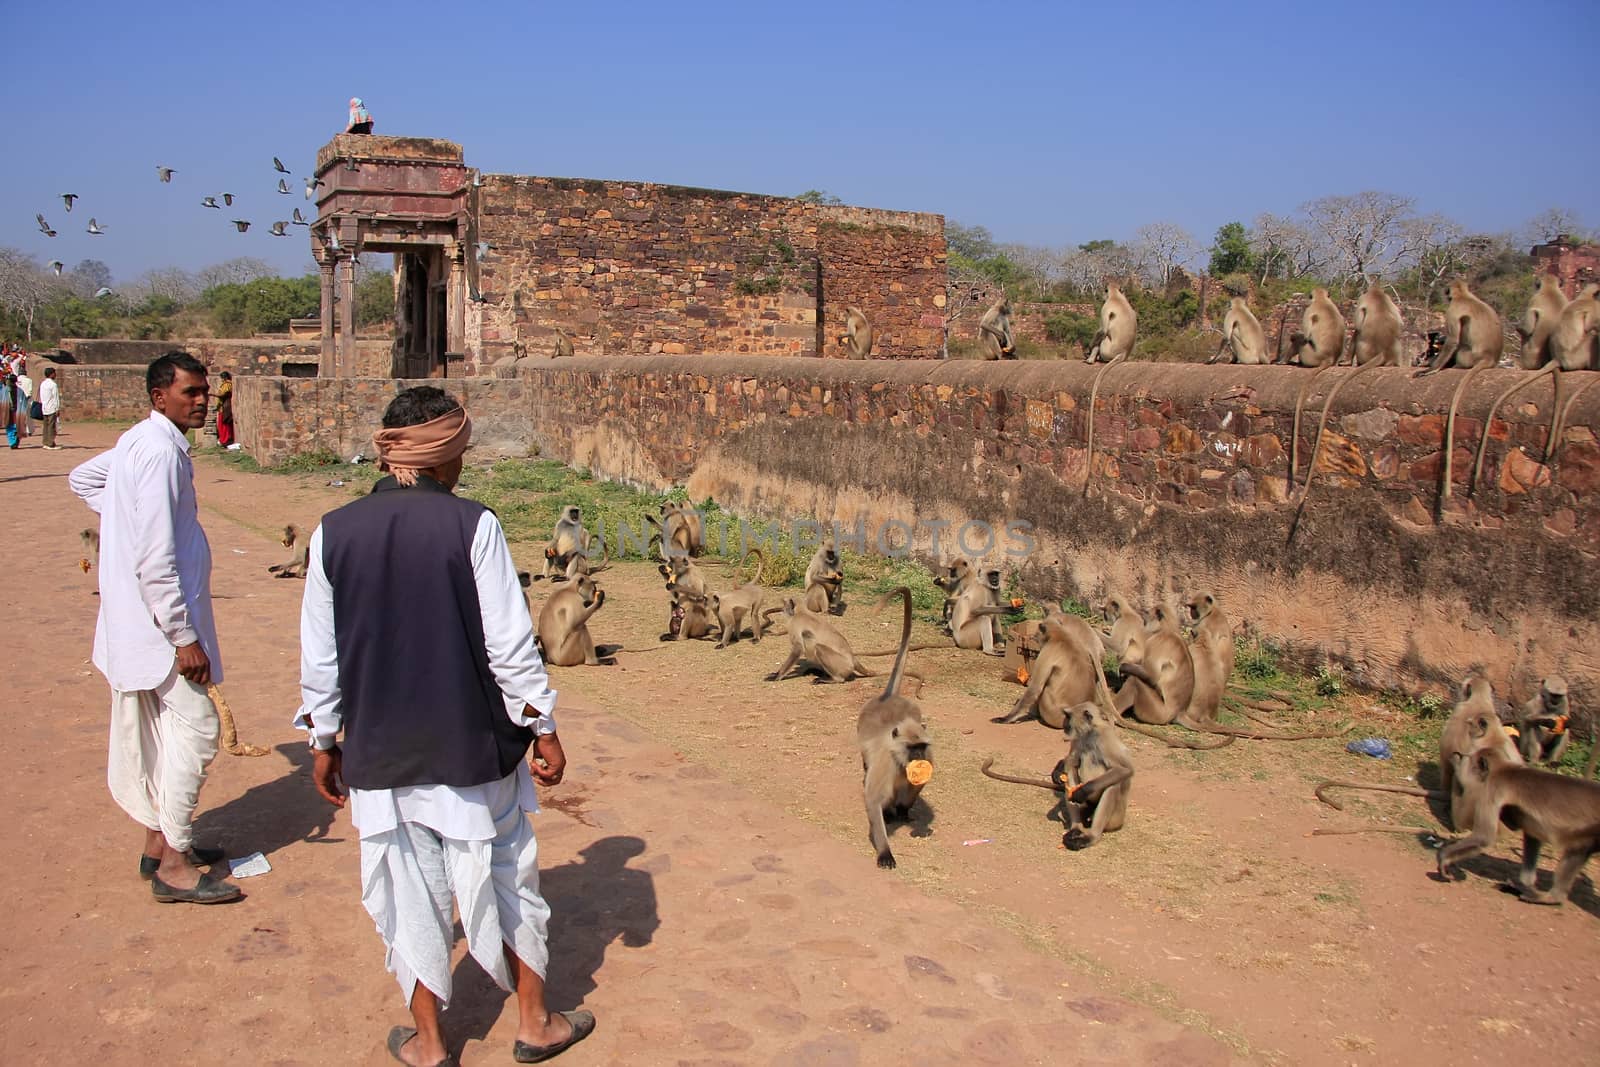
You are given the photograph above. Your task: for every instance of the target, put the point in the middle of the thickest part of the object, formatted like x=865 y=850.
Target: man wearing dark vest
x=416 y=641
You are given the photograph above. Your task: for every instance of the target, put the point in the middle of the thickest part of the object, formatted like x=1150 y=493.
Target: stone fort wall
x=1190 y=485
x=638 y=268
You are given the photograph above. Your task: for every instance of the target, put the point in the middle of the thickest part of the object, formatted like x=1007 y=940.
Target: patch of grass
x=1256 y=661
x=1329 y=683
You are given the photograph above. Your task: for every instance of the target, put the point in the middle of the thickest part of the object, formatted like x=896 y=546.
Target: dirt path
x=700 y=922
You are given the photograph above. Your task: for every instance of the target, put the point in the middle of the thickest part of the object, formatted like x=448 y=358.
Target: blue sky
x=1049 y=123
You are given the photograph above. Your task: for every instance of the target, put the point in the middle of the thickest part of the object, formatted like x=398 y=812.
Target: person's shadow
x=267 y=817
x=592 y=903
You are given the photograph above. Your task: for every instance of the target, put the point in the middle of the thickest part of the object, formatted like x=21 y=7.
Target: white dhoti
x=162 y=741
x=423 y=846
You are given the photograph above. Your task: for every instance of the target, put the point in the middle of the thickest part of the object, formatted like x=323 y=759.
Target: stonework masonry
x=1190 y=485
x=253 y=355
x=639 y=268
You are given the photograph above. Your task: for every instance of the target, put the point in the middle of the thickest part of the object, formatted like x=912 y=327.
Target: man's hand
x=550 y=762
x=326 y=767
x=193 y=663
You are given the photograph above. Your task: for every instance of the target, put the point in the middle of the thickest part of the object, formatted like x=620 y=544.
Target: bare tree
x=1555 y=222
x=1162 y=247
x=965 y=291
x=1088 y=269
x=1040 y=266
x=234 y=272
x=24 y=288
x=170 y=283
x=1363 y=231
x=1435 y=246
x=1282 y=247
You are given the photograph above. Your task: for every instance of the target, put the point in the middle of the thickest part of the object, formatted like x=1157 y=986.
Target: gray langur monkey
x=890 y=736
x=994 y=331
x=858 y=334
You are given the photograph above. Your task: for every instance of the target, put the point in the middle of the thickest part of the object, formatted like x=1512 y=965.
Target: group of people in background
x=20 y=405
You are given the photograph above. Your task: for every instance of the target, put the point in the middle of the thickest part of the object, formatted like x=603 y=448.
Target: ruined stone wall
x=1190 y=486
x=241 y=356
x=97 y=392
x=277 y=418
x=1575 y=264
x=641 y=268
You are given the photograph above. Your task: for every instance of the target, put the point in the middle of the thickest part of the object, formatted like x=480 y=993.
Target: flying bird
x=165 y=173
x=333 y=241
x=242 y=224
x=283 y=185
x=311 y=186
x=68 y=198
x=227 y=198
x=94 y=227
x=44 y=227
x=56 y=265
x=102 y=291
x=483 y=248
x=278 y=229
x=475 y=296
x=278 y=165
x=211 y=201
x=299 y=219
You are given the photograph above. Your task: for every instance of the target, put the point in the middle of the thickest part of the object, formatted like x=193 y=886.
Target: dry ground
x=715 y=897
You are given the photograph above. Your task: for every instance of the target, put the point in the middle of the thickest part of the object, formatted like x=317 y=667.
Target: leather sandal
x=200 y=857
x=401 y=1034
x=209 y=890
x=582 y=1026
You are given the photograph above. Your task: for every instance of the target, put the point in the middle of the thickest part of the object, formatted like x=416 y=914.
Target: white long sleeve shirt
x=155 y=561
x=461 y=812
x=49 y=396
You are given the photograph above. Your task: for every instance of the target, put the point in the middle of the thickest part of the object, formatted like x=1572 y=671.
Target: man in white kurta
x=155 y=640
x=427 y=585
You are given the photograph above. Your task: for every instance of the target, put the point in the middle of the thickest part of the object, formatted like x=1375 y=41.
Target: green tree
x=820 y=196
x=1230 y=251
x=375 y=298
x=973 y=243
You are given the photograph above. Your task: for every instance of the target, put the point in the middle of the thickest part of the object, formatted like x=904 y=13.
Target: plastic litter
x=979 y=841
x=337 y=482
x=249 y=866
x=1376 y=747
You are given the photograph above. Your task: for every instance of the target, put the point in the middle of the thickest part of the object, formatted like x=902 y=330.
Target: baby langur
x=817 y=642
x=1242 y=336
x=994 y=330
x=564 y=624
x=858 y=336
x=825 y=580
x=690 y=616
x=741 y=605
x=299 y=547
x=1127 y=632
x=890 y=735
x=1549 y=809
x=580 y=562
x=567 y=538
x=1119 y=324
x=1542 y=723
x=1094 y=777
x=1473 y=339
x=950 y=579
x=1375 y=343
x=1066 y=673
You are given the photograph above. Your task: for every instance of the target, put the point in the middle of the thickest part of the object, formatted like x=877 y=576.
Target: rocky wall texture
x=278 y=418
x=1190 y=487
x=97 y=392
x=256 y=355
x=638 y=268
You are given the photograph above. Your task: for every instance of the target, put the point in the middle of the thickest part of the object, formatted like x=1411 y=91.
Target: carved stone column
x=326 y=367
x=456 y=300
x=345 y=367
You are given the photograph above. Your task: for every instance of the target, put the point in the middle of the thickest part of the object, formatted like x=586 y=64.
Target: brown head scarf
x=403 y=451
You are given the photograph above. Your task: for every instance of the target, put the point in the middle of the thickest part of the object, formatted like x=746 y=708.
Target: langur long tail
x=230 y=732
x=1169 y=740
x=1016 y=779
x=1488 y=422
x=1407 y=790
x=1094 y=393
